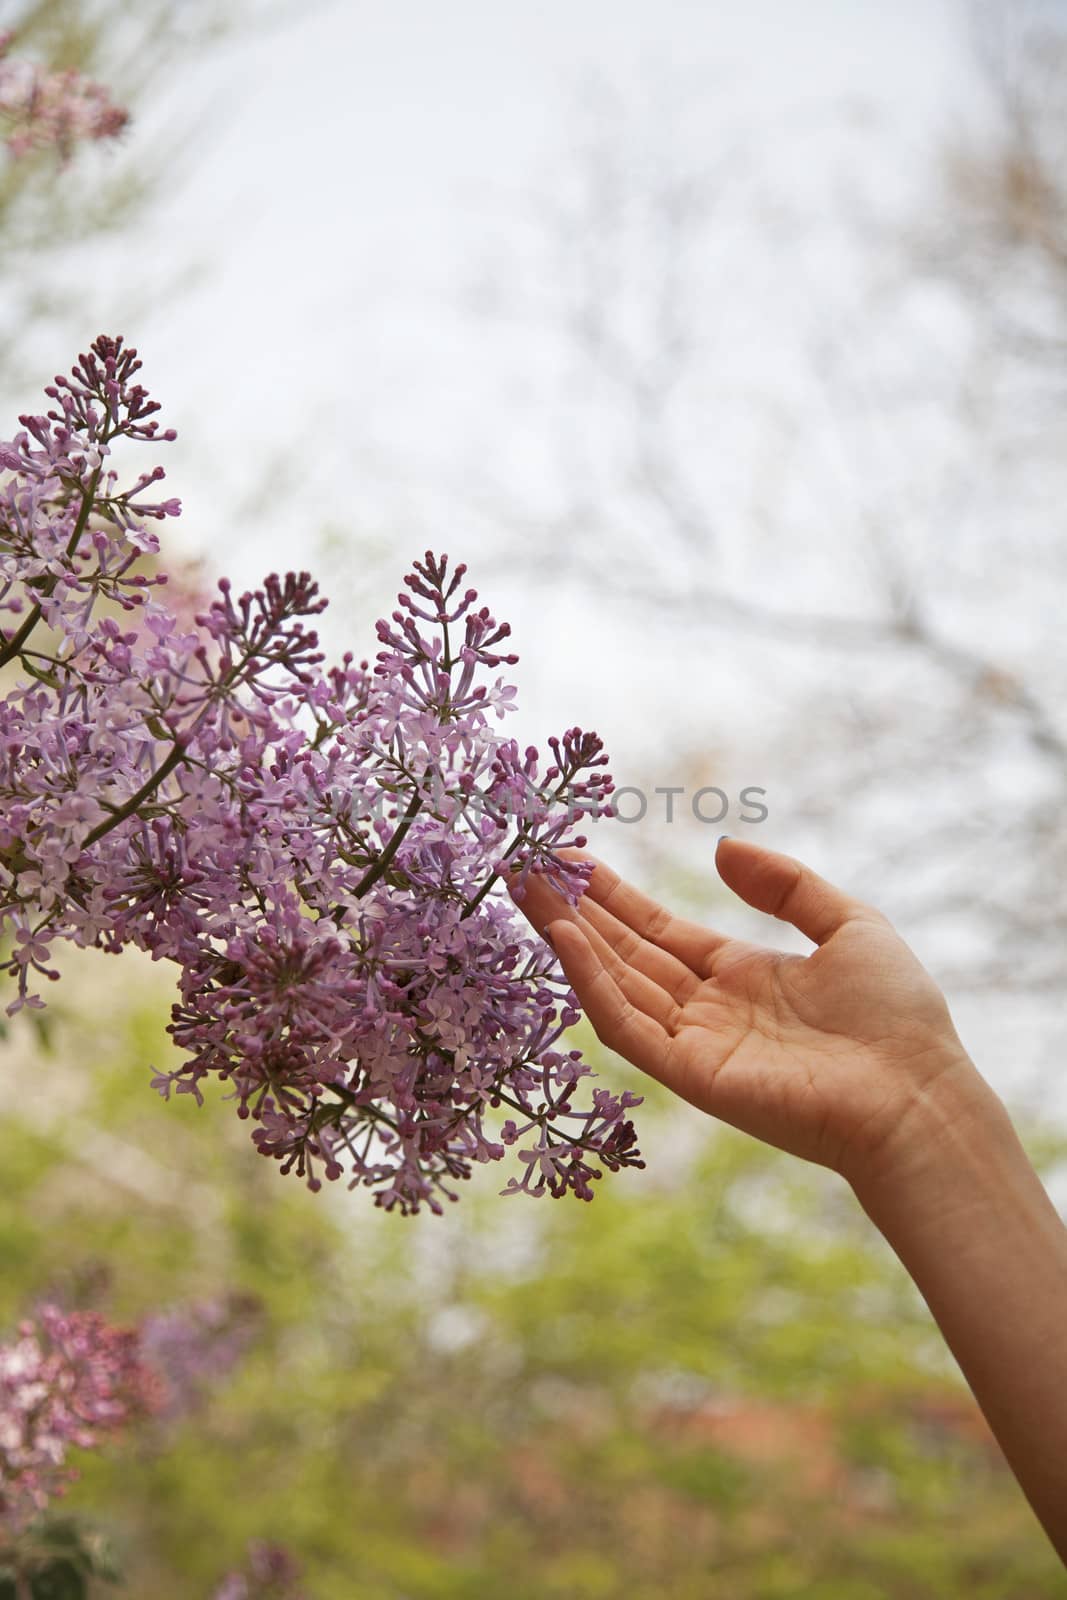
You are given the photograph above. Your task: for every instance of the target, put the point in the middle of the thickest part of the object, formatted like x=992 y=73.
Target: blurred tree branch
x=46 y=210
x=895 y=553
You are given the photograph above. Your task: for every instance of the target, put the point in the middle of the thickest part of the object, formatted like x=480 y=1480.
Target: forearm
x=968 y=1217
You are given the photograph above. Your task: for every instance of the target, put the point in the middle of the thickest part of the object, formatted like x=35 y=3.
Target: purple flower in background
x=319 y=851
x=190 y=1349
x=70 y=1380
x=44 y=109
x=66 y=1381
x=270 y=1574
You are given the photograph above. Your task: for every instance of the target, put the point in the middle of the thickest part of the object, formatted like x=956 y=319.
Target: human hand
x=848 y=1057
x=832 y=1056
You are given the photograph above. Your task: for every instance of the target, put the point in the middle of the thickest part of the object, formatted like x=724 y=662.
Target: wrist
x=952 y=1144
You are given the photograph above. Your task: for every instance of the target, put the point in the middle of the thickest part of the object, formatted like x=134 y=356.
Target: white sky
x=354 y=164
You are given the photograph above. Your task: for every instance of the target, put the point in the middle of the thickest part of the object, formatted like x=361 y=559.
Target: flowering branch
x=66 y=1381
x=318 y=851
x=43 y=109
x=16 y=644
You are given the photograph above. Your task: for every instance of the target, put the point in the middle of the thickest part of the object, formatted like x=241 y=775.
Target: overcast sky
x=351 y=167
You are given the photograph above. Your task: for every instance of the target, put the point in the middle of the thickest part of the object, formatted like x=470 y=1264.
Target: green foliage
x=62 y=1561
x=716 y=1384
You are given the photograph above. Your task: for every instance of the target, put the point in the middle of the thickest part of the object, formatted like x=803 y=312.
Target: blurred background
x=727 y=346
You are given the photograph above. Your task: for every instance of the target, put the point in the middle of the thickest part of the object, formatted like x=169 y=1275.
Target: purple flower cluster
x=70 y=1378
x=191 y=1348
x=52 y=110
x=320 y=852
x=65 y=1381
x=270 y=1574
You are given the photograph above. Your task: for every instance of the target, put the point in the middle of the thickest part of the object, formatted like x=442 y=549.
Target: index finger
x=687 y=941
x=617 y=1021
x=540 y=903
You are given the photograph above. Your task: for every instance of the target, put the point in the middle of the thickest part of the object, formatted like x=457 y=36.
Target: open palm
x=823 y=1055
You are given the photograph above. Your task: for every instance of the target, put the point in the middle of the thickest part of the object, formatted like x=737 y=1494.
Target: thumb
x=785 y=888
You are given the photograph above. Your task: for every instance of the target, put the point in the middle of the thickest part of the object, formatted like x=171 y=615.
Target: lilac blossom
x=71 y=1380
x=270 y=1574
x=66 y=1381
x=42 y=109
x=190 y=1349
x=320 y=851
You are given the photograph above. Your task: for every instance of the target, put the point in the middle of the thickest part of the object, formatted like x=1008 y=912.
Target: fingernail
x=721 y=837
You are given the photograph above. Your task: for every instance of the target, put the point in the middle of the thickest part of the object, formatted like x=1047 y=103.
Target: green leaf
x=60 y=1580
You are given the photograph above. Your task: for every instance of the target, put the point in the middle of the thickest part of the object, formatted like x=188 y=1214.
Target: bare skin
x=848 y=1057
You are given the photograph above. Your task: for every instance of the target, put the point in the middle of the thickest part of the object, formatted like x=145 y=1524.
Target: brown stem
x=17 y=640
x=147 y=788
x=381 y=866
